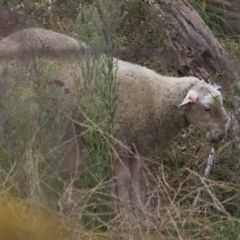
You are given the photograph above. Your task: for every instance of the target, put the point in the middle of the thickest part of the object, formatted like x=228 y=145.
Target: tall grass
x=99 y=96
x=98 y=105
x=32 y=128
x=218 y=24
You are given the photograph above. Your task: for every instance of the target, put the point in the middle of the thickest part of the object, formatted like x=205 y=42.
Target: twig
x=206 y=174
x=210 y=163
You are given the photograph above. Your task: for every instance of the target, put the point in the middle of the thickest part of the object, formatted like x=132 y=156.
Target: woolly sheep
x=154 y=109
x=151 y=108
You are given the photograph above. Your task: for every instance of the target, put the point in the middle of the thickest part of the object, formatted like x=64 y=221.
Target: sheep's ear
x=190 y=98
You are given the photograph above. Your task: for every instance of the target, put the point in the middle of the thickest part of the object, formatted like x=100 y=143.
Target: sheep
x=151 y=108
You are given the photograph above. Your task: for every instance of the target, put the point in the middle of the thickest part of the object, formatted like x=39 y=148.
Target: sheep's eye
x=207 y=109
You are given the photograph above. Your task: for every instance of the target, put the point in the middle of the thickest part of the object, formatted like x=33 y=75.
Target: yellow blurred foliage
x=23 y=220
x=204 y=5
x=27 y=220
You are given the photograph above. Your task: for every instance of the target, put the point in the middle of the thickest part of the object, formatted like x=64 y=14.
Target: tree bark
x=229 y=10
x=199 y=52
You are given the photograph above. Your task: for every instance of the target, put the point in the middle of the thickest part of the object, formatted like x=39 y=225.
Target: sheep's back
x=36 y=41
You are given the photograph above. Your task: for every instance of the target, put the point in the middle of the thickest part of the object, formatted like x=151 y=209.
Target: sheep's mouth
x=214 y=141
x=211 y=139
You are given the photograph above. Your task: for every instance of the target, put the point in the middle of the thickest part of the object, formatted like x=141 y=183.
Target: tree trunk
x=229 y=10
x=199 y=52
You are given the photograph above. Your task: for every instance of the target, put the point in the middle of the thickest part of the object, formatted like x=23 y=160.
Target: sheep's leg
x=127 y=173
x=123 y=178
x=135 y=168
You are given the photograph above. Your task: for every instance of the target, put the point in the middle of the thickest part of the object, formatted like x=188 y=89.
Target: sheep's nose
x=218 y=138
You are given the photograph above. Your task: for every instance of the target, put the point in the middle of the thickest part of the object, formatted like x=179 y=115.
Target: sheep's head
x=205 y=111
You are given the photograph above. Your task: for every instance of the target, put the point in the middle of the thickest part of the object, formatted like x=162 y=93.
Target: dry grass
x=170 y=182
